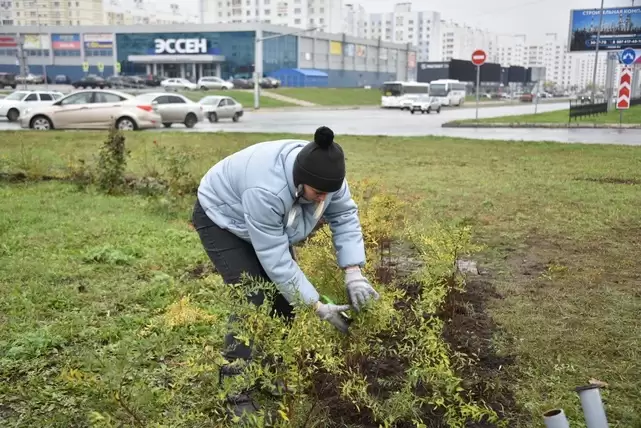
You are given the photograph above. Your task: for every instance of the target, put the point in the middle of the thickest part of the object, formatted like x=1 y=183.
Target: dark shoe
x=244 y=406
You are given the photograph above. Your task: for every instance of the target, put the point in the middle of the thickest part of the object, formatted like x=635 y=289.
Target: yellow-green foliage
x=399 y=331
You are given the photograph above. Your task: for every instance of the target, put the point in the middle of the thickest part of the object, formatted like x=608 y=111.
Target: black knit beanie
x=321 y=163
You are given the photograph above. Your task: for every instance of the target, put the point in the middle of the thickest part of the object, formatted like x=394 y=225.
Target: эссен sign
x=181 y=46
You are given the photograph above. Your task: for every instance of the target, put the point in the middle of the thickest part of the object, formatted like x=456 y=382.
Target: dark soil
x=611 y=180
x=468 y=330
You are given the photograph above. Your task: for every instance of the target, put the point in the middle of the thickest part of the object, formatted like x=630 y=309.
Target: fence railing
x=580 y=108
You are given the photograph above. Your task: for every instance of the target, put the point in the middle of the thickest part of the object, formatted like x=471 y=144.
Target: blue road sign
x=628 y=56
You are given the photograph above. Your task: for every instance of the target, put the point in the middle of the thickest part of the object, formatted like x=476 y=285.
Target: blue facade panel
x=236 y=47
x=73 y=71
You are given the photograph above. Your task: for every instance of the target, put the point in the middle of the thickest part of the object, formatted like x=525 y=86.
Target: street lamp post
x=596 y=51
x=258 y=59
x=44 y=65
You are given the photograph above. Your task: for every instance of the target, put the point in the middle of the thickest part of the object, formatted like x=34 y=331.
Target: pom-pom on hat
x=321 y=163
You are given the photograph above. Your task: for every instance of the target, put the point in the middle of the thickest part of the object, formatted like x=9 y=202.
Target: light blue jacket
x=251 y=193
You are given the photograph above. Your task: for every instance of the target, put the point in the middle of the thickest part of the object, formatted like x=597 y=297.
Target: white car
x=213 y=82
x=426 y=104
x=12 y=105
x=177 y=84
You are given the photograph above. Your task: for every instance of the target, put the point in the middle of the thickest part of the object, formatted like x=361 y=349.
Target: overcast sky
x=531 y=17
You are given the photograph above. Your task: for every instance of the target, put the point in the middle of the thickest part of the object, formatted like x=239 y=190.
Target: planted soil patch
x=469 y=329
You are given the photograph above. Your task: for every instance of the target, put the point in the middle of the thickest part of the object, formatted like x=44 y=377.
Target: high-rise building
x=583 y=70
x=459 y=41
x=51 y=12
x=421 y=29
x=553 y=55
x=326 y=15
x=354 y=19
x=133 y=12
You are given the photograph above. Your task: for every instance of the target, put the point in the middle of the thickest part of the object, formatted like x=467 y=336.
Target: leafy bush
x=112 y=162
x=393 y=367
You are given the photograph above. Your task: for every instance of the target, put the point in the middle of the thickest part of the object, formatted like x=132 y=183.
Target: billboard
x=36 y=41
x=336 y=48
x=621 y=28
x=428 y=71
x=516 y=74
x=65 y=42
x=411 y=59
x=8 y=41
x=99 y=41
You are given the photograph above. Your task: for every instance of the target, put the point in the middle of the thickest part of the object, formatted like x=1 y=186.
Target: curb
x=542 y=125
x=313 y=108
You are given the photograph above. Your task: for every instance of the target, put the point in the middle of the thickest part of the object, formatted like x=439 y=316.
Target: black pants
x=232 y=257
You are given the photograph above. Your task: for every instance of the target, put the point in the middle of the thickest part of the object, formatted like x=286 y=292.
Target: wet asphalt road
x=376 y=121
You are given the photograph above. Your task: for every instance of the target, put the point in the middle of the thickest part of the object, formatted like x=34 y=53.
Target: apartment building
x=421 y=29
x=147 y=12
x=51 y=12
x=583 y=70
x=354 y=19
x=327 y=15
x=459 y=41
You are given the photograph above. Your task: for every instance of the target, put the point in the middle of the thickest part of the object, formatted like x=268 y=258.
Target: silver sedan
x=221 y=107
x=174 y=108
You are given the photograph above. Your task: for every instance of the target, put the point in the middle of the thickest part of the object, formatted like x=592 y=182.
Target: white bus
x=400 y=94
x=449 y=92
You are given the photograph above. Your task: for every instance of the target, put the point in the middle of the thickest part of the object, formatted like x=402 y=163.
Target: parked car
x=177 y=84
x=217 y=107
x=174 y=108
x=213 y=82
x=92 y=109
x=33 y=79
x=269 y=83
x=91 y=81
x=62 y=79
x=242 y=83
x=137 y=82
x=426 y=104
x=12 y=105
x=8 y=79
x=527 y=98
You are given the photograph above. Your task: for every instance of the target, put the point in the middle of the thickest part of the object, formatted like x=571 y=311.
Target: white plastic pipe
x=555 y=418
x=592 y=406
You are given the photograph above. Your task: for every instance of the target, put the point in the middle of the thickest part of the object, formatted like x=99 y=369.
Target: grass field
x=560 y=222
x=244 y=97
x=633 y=115
x=333 y=96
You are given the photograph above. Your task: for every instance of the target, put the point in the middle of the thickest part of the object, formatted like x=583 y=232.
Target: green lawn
x=246 y=98
x=631 y=116
x=82 y=274
x=334 y=96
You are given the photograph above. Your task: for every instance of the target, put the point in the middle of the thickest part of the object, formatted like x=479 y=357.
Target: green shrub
x=112 y=162
x=393 y=367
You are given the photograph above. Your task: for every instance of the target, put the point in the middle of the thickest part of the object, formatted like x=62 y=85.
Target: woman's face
x=312 y=194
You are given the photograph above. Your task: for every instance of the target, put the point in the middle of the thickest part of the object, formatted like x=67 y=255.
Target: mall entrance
x=191 y=71
x=191 y=67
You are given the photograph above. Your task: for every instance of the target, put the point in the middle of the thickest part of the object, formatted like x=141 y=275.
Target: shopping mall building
x=195 y=50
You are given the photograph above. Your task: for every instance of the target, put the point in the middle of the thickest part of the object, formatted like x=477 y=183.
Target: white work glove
x=332 y=314
x=359 y=289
